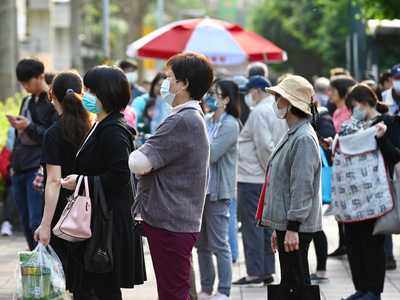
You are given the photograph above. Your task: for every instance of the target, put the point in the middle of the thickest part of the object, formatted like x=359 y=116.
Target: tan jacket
x=261 y=133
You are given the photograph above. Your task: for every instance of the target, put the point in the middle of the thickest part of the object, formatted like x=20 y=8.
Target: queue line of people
x=186 y=172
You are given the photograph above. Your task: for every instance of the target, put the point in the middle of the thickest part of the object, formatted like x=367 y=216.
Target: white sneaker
x=203 y=296
x=6 y=229
x=219 y=296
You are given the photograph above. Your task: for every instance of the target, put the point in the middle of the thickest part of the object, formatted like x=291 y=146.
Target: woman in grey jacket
x=291 y=201
x=223 y=133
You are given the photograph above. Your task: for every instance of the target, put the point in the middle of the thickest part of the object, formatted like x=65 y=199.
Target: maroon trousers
x=171 y=253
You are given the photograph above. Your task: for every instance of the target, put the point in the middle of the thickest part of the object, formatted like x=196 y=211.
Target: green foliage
x=316 y=29
x=8 y=107
x=379 y=9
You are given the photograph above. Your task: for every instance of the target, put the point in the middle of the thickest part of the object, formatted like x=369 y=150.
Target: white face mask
x=132 y=77
x=248 y=99
x=280 y=112
x=165 y=93
x=396 y=85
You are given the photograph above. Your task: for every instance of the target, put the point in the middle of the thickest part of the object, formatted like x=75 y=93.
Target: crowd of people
x=200 y=157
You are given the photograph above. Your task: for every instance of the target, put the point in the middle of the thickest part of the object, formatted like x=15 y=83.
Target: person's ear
x=185 y=84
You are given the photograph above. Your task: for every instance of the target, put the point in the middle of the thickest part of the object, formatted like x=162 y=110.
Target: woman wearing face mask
x=161 y=108
x=290 y=203
x=104 y=153
x=61 y=142
x=223 y=133
x=173 y=165
x=366 y=251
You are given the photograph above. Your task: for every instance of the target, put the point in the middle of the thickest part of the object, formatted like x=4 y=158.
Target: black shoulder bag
x=98 y=257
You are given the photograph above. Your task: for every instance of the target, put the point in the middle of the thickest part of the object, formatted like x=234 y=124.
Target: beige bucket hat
x=297 y=90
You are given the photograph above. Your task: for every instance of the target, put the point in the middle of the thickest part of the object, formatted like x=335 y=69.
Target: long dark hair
x=75 y=120
x=231 y=90
x=157 y=78
x=362 y=93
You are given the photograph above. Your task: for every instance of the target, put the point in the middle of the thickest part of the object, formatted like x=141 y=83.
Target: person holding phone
x=36 y=115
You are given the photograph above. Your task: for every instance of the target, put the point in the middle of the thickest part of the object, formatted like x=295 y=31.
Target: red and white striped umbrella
x=222 y=42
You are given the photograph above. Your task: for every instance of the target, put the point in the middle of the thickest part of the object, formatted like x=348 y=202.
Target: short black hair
x=29 y=68
x=196 y=70
x=110 y=86
x=298 y=112
x=127 y=64
x=155 y=80
x=342 y=83
x=231 y=90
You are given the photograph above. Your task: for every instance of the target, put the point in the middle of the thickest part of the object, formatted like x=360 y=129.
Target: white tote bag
x=390 y=223
x=360 y=184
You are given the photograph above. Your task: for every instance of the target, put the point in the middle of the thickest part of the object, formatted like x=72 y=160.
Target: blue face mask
x=90 y=103
x=211 y=103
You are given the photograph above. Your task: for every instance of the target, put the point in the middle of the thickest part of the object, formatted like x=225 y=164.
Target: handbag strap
x=86 y=186
x=78 y=186
x=323 y=157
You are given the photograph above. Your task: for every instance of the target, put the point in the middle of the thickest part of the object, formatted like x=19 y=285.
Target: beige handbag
x=74 y=223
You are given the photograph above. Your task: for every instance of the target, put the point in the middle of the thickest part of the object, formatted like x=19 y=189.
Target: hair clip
x=69 y=91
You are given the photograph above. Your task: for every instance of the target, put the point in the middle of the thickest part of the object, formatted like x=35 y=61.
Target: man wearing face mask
x=261 y=133
x=130 y=69
x=391 y=97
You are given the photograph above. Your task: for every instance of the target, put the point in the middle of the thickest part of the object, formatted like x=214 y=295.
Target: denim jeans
x=214 y=240
x=259 y=257
x=29 y=203
x=233 y=230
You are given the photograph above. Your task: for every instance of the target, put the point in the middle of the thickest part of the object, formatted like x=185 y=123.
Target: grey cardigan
x=293 y=198
x=224 y=156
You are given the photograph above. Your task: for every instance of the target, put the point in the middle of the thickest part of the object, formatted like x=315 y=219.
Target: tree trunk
x=8 y=48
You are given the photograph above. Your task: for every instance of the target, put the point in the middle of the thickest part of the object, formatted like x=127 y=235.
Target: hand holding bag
x=74 y=223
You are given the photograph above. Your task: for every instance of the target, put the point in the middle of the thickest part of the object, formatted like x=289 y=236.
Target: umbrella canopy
x=222 y=42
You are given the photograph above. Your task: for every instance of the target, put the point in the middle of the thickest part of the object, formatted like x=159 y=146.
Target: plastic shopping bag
x=40 y=275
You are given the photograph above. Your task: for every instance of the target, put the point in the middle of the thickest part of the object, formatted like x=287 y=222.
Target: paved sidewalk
x=338 y=271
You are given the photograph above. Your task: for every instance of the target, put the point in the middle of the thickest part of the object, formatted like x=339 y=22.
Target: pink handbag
x=74 y=223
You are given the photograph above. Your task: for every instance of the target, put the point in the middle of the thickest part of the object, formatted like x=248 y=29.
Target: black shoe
x=315 y=279
x=355 y=296
x=391 y=264
x=338 y=252
x=244 y=281
x=268 y=280
x=370 y=296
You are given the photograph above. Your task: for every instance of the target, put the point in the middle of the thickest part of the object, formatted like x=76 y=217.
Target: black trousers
x=321 y=249
x=366 y=255
x=294 y=265
x=342 y=235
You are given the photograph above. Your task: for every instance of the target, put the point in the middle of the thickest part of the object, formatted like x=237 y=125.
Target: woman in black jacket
x=366 y=251
x=105 y=153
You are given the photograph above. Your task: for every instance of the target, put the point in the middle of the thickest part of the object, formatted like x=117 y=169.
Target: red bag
x=5 y=158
